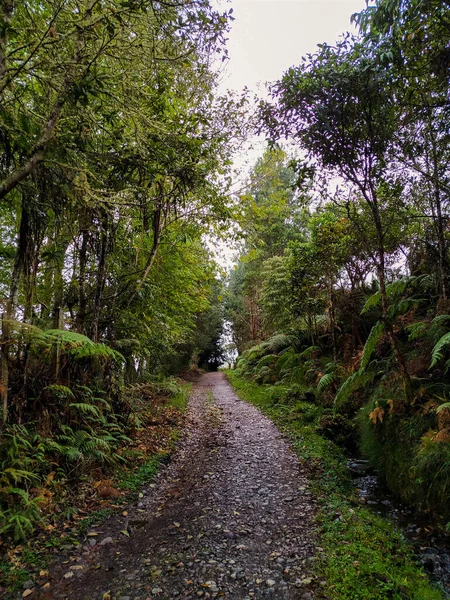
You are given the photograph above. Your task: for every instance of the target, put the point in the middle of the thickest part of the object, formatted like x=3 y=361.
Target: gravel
x=230 y=517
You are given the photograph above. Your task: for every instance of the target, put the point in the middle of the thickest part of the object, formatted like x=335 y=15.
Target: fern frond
x=416 y=330
x=63 y=337
x=357 y=380
x=283 y=359
x=437 y=352
x=25 y=328
x=371 y=302
x=371 y=344
x=85 y=408
x=404 y=306
x=393 y=290
x=308 y=353
x=440 y=319
x=325 y=381
x=96 y=351
x=278 y=342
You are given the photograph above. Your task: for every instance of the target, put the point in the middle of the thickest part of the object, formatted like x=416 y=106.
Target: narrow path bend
x=229 y=518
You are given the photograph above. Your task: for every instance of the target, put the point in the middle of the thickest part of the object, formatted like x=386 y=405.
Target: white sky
x=269 y=36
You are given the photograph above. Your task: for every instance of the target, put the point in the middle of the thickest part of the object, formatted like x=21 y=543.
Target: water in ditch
x=431 y=545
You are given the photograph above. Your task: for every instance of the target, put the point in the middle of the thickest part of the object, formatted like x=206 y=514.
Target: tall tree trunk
x=11 y=304
x=439 y=222
x=82 y=306
x=101 y=278
x=331 y=316
x=6 y=11
x=385 y=307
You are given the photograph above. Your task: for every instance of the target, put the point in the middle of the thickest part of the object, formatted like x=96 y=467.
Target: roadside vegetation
x=114 y=153
x=341 y=290
x=360 y=555
x=116 y=150
x=69 y=497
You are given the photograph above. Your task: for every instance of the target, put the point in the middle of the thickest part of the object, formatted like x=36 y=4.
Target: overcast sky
x=269 y=36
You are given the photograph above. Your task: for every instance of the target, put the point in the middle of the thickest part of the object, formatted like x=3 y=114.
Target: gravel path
x=231 y=517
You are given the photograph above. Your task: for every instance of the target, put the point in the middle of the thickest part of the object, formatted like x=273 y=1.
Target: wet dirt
x=230 y=517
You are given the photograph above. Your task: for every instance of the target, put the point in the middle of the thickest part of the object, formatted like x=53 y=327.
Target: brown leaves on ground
x=105 y=489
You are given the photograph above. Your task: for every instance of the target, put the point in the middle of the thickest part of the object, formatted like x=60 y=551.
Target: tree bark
x=6 y=11
x=82 y=308
x=11 y=304
x=385 y=306
x=101 y=278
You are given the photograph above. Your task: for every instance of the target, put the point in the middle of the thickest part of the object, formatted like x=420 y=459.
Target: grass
x=364 y=557
x=134 y=480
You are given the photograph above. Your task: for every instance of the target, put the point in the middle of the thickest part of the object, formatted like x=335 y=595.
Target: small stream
x=432 y=546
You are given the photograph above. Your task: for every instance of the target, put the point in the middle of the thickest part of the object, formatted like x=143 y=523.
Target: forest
x=342 y=286
x=116 y=173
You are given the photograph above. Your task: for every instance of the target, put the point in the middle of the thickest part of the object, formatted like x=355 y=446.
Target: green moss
x=414 y=467
x=364 y=556
x=180 y=400
x=134 y=480
x=95 y=518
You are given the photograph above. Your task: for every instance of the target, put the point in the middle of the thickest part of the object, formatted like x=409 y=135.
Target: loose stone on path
x=231 y=517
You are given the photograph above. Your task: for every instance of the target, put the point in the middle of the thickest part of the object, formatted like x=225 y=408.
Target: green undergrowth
x=67 y=528
x=362 y=555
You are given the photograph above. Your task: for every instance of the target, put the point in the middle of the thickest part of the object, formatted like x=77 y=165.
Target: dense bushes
x=361 y=404
x=76 y=436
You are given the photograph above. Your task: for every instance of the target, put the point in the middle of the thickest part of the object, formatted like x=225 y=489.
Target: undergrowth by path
x=361 y=555
x=150 y=448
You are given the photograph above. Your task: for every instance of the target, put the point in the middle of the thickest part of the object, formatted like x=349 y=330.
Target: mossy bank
x=361 y=554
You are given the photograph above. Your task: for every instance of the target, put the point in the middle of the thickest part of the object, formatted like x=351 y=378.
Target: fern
x=416 y=330
x=437 y=352
x=396 y=289
x=371 y=344
x=266 y=361
x=308 y=353
x=18 y=475
x=371 y=302
x=325 y=381
x=62 y=337
x=440 y=319
x=85 y=408
x=357 y=380
x=284 y=359
x=60 y=392
x=24 y=328
x=77 y=345
x=96 y=351
x=403 y=306
x=278 y=342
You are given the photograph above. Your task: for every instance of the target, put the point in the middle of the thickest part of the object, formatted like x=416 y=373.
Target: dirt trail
x=230 y=517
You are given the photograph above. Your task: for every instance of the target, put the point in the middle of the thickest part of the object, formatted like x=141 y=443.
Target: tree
x=334 y=105
x=413 y=38
x=114 y=149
